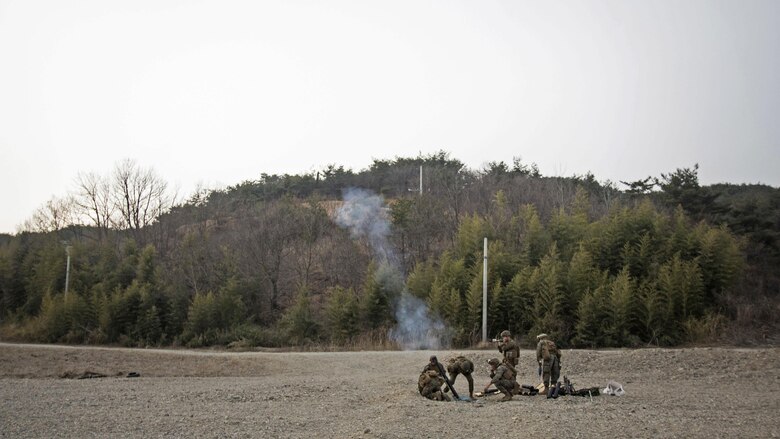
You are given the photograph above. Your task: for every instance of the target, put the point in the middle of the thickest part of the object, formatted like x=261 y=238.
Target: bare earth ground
x=701 y=392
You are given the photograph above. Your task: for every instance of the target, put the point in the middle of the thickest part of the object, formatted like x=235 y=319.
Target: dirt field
x=703 y=392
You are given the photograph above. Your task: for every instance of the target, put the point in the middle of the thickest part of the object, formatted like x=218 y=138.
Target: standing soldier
x=502 y=377
x=549 y=358
x=461 y=365
x=509 y=348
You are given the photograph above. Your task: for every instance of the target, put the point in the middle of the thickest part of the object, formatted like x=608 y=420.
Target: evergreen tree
x=581 y=277
x=622 y=309
x=592 y=315
x=654 y=315
x=420 y=280
x=499 y=308
x=382 y=287
x=299 y=322
x=342 y=314
x=519 y=293
x=719 y=258
x=534 y=239
x=469 y=242
x=548 y=298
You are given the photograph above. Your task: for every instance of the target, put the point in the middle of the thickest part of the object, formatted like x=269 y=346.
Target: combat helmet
x=506 y=334
x=494 y=362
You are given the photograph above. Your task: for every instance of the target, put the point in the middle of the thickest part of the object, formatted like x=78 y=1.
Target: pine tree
x=681 y=282
x=719 y=257
x=382 y=286
x=521 y=299
x=548 y=298
x=592 y=316
x=299 y=321
x=581 y=277
x=200 y=317
x=499 y=309
x=420 y=280
x=654 y=318
x=342 y=314
x=533 y=238
x=473 y=318
x=622 y=309
x=470 y=238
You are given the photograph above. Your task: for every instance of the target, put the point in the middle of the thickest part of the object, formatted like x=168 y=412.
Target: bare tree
x=140 y=196
x=95 y=202
x=55 y=214
x=311 y=222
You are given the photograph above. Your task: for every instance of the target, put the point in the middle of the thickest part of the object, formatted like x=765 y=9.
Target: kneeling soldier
x=501 y=377
x=429 y=385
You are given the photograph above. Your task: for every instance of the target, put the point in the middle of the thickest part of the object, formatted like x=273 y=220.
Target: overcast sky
x=217 y=92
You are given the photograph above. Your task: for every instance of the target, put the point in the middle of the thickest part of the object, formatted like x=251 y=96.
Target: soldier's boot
x=507 y=392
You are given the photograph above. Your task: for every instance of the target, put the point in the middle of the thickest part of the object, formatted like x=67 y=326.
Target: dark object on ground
x=86 y=375
x=554 y=391
x=447 y=380
x=133 y=375
x=529 y=389
x=489 y=392
x=591 y=391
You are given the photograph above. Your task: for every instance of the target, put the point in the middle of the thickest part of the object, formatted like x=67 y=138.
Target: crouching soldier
x=429 y=385
x=503 y=378
x=461 y=365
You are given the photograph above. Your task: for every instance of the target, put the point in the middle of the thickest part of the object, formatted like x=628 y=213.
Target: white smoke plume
x=416 y=328
x=365 y=215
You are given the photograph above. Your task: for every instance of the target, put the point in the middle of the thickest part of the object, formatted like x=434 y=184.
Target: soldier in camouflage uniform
x=461 y=365
x=503 y=378
x=509 y=348
x=549 y=358
x=433 y=364
x=429 y=386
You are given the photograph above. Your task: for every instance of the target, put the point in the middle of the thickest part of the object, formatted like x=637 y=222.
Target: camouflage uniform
x=461 y=365
x=509 y=349
x=433 y=365
x=548 y=355
x=503 y=378
x=429 y=386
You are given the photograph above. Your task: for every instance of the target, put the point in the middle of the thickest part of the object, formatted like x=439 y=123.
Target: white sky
x=217 y=92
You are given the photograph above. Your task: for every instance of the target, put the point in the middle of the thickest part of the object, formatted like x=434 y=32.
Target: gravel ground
x=701 y=392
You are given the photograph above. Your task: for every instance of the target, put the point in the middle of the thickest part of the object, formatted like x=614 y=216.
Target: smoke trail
x=365 y=215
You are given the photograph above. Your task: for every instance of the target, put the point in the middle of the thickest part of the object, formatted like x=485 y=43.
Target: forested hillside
x=275 y=262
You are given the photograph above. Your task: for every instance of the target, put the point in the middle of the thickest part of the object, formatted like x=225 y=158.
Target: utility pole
x=67 y=266
x=421 y=180
x=484 y=293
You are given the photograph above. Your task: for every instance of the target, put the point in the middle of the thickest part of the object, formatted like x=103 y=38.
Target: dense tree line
x=664 y=261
